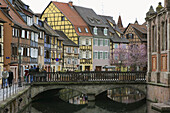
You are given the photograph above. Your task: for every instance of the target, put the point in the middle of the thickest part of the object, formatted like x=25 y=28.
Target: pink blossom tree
x=119 y=56
x=137 y=56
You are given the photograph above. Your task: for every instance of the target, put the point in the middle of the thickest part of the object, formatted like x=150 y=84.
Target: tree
x=119 y=56
x=137 y=56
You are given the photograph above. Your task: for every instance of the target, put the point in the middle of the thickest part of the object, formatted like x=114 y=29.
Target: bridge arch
x=88 y=88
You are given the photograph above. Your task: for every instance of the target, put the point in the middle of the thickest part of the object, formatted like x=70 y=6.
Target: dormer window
x=79 y=29
x=105 y=31
x=95 y=30
x=91 y=20
x=98 y=21
x=86 y=30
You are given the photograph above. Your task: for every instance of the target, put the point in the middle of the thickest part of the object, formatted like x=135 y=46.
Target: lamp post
x=19 y=67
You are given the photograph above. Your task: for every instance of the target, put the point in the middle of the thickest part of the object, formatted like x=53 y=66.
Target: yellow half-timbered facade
x=63 y=17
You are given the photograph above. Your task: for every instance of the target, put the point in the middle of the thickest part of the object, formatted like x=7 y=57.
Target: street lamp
x=19 y=67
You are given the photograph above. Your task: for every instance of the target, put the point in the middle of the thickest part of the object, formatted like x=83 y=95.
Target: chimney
x=70 y=3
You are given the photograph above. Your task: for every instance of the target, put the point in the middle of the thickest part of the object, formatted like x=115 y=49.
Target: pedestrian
x=10 y=78
x=26 y=76
x=31 y=72
x=37 y=69
x=5 y=75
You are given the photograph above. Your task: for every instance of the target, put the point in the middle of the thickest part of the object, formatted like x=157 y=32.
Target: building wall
x=101 y=62
x=158 y=76
x=70 y=56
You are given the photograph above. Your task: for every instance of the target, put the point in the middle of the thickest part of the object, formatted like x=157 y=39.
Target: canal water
x=119 y=100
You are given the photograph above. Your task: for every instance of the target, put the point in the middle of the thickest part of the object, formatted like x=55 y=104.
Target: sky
x=129 y=10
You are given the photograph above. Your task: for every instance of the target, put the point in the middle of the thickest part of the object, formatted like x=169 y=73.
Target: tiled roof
x=67 y=41
x=90 y=17
x=50 y=30
x=73 y=17
x=15 y=17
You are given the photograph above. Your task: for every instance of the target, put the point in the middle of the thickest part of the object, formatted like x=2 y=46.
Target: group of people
x=7 y=78
x=30 y=72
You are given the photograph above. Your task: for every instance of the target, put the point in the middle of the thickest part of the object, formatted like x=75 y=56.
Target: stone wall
x=17 y=102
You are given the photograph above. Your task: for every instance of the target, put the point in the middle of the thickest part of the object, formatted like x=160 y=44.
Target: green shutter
x=98 y=55
x=93 y=42
x=98 y=42
x=103 y=42
x=108 y=42
x=103 y=55
x=93 y=55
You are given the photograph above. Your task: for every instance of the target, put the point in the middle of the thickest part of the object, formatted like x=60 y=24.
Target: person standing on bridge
x=5 y=75
x=10 y=78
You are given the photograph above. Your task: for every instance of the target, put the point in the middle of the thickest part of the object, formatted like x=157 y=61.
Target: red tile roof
x=15 y=17
x=73 y=17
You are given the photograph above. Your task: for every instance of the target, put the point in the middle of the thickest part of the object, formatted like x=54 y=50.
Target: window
x=14 y=50
x=13 y=32
x=24 y=51
x=98 y=21
x=86 y=30
x=36 y=37
x=87 y=42
x=75 y=61
x=39 y=51
x=23 y=34
x=105 y=42
x=79 y=29
x=32 y=36
x=95 y=30
x=101 y=55
x=62 y=18
x=87 y=55
x=95 y=55
x=105 y=31
x=69 y=61
x=164 y=41
x=100 y=42
x=129 y=36
x=41 y=34
x=75 y=50
x=69 y=50
x=95 y=42
x=106 y=55
x=91 y=20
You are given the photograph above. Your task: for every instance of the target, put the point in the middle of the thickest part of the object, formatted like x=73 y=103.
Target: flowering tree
x=137 y=56
x=119 y=56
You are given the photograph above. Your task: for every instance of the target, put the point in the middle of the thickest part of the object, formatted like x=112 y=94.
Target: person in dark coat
x=10 y=78
x=31 y=73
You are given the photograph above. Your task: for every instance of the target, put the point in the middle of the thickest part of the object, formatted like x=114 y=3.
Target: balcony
x=86 y=48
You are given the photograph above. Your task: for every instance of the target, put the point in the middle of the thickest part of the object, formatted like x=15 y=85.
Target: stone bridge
x=90 y=83
x=91 y=89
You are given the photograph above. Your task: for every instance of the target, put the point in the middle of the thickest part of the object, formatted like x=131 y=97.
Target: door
x=87 y=68
x=98 y=68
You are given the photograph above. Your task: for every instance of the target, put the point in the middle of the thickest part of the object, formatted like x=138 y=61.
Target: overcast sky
x=128 y=9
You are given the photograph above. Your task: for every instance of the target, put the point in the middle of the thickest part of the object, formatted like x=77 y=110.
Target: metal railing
x=8 y=91
x=103 y=76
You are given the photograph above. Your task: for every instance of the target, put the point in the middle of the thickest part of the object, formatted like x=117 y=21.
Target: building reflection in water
x=73 y=97
x=125 y=95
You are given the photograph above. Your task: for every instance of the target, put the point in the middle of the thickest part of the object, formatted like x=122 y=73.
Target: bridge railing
x=92 y=76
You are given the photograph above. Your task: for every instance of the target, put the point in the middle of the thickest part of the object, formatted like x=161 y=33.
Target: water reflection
x=73 y=97
x=125 y=95
x=60 y=103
